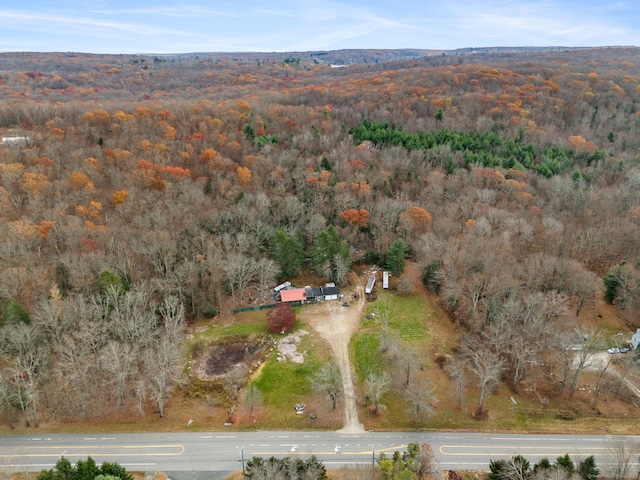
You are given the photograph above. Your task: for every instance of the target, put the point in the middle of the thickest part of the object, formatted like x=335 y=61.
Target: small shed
x=370 y=283
x=330 y=292
x=385 y=280
x=635 y=339
x=314 y=293
x=293 y=295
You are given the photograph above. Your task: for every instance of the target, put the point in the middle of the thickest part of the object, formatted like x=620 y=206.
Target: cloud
x=275 y=13
x=54 y=22
x=170 y=26
x=537 y=23
x=185 y=11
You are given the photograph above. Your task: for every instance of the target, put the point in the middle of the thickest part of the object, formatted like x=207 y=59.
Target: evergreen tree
x=84 y=470
x=614 y=281
x=587 y=469
x=396 y=256
x=566 y=462
x=288 y=252
x=330 y=256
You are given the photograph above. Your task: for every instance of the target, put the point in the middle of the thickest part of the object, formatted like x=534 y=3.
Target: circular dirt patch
x=219 y=359
x=223 y=357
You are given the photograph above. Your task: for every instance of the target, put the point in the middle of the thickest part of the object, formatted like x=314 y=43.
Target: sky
x=176 y=26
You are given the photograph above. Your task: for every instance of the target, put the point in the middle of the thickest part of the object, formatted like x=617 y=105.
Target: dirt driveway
x=337 y=324
x=602 y=360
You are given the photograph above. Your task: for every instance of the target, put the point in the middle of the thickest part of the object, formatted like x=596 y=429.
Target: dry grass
x=537 y=410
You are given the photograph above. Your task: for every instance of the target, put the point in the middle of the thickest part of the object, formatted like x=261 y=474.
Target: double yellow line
x=103 y=451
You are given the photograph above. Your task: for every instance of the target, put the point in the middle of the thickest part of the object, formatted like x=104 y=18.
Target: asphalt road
x=224 y=451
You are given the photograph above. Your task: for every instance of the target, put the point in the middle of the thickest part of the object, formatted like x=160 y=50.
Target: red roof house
x=293 y=295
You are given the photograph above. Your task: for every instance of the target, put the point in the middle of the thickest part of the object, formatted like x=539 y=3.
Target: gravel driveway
x=337 y=324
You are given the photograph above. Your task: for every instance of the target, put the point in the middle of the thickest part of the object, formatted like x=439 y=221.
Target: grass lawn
x=285 y=383
x=409 y=326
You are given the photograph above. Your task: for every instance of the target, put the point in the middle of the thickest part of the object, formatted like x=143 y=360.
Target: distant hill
x=364 y=56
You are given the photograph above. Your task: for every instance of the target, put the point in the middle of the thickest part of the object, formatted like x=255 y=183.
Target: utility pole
x=242 y=459
x=373 y=457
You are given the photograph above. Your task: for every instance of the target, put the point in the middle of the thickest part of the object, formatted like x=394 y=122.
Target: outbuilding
x=16 y=140
x=369 y=288
x=294 y=295
x=319 y=294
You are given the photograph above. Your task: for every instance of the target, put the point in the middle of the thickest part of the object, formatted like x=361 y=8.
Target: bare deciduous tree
x=474 y=287
x=328 y=379
x=161 y=370
x=241 y=271
x=118 y=361
x=266 y=272
x=172 y=313
x=404 y=357
x=140 y=389
x=76 y=369
x=600 y=381
x=131 y=315
x=253 y=398
x=427 y=462
x=375 y=386
x=586 y=342
x=625 y=455
x=234 y=379
x=31 y=363
x=421 y=396
x=486 y=365
x=456 y=369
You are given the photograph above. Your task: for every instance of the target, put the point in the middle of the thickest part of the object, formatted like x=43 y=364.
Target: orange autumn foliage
x=44 y=228
x=577 y=141
x=415 y=220
x=418 y=215
x=525 y=198
x=356 y=217
x=208 y=155
x=79 y=180
x=93 y=210
x=119 y=197
x=177 y=172
x=244 y=176
x=34 y=183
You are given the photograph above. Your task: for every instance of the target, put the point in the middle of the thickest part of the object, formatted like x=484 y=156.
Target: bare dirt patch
x=219 y=359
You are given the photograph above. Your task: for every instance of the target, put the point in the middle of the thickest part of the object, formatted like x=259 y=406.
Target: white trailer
x=281 y=286
x=369 y=288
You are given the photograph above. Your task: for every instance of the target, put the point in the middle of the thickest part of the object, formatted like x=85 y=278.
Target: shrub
x=12 y=312
x=404 y=286
x=432 y=276
x=281 y=318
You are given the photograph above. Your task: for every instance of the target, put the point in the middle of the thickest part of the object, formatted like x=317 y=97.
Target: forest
x=141 y=194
